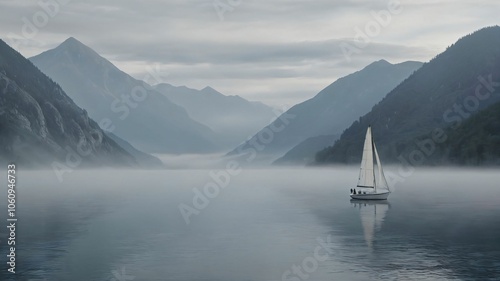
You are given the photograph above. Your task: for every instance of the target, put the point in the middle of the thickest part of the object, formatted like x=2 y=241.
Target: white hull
x=371 y=196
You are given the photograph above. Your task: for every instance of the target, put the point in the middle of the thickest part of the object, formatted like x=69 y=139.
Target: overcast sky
x=277 y=51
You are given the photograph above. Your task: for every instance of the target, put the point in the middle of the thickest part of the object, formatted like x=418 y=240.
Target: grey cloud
x=259 y=42
x=294 y=53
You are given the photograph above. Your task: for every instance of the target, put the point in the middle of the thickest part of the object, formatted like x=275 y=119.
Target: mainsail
x=366 y=175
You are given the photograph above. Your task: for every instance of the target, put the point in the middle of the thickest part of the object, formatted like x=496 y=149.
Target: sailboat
x=371 y=187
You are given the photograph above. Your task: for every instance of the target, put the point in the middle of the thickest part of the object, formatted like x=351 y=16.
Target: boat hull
x=371 y=196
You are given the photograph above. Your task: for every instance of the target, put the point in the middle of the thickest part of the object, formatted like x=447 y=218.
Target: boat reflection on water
x=372 y=213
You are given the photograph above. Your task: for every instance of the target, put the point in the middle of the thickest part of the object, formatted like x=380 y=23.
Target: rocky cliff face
x=41 y=125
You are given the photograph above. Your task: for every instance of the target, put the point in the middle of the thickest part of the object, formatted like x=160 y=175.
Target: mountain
x=331 y=110
x=475 y=142
x=233 y=118
x=145 y=160
x=304 y=152
x=444 y=92
x=41 y=125
x=122 y=104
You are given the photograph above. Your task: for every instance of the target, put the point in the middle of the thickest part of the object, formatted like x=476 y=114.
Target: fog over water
x=215 y=160
x=439 y=224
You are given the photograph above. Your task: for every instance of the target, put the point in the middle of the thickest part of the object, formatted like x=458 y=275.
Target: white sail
x=366 y=175
x=381 y=182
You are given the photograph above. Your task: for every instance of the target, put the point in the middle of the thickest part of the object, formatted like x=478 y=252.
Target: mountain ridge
x=424 y=101
x=336 y=104
x=232 y=117
x=153 y=123
x=41 y=125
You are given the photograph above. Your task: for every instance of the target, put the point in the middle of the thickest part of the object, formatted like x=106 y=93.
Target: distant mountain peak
x=71 y=40
x=335 y=107
x=73 y=43
x=378 y=64
x=74 y=48
x=40 y=116
x=419 y=105
x=208 y=88
x=382 y=61
x=74 y=52
x=211 y=91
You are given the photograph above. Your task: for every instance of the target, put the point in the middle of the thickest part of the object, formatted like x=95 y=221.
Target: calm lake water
x=278 y=224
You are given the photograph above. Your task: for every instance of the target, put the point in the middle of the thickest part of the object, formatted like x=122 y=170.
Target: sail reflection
x=372 y=215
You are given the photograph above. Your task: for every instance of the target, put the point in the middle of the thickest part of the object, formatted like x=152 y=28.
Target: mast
x=366 y=171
